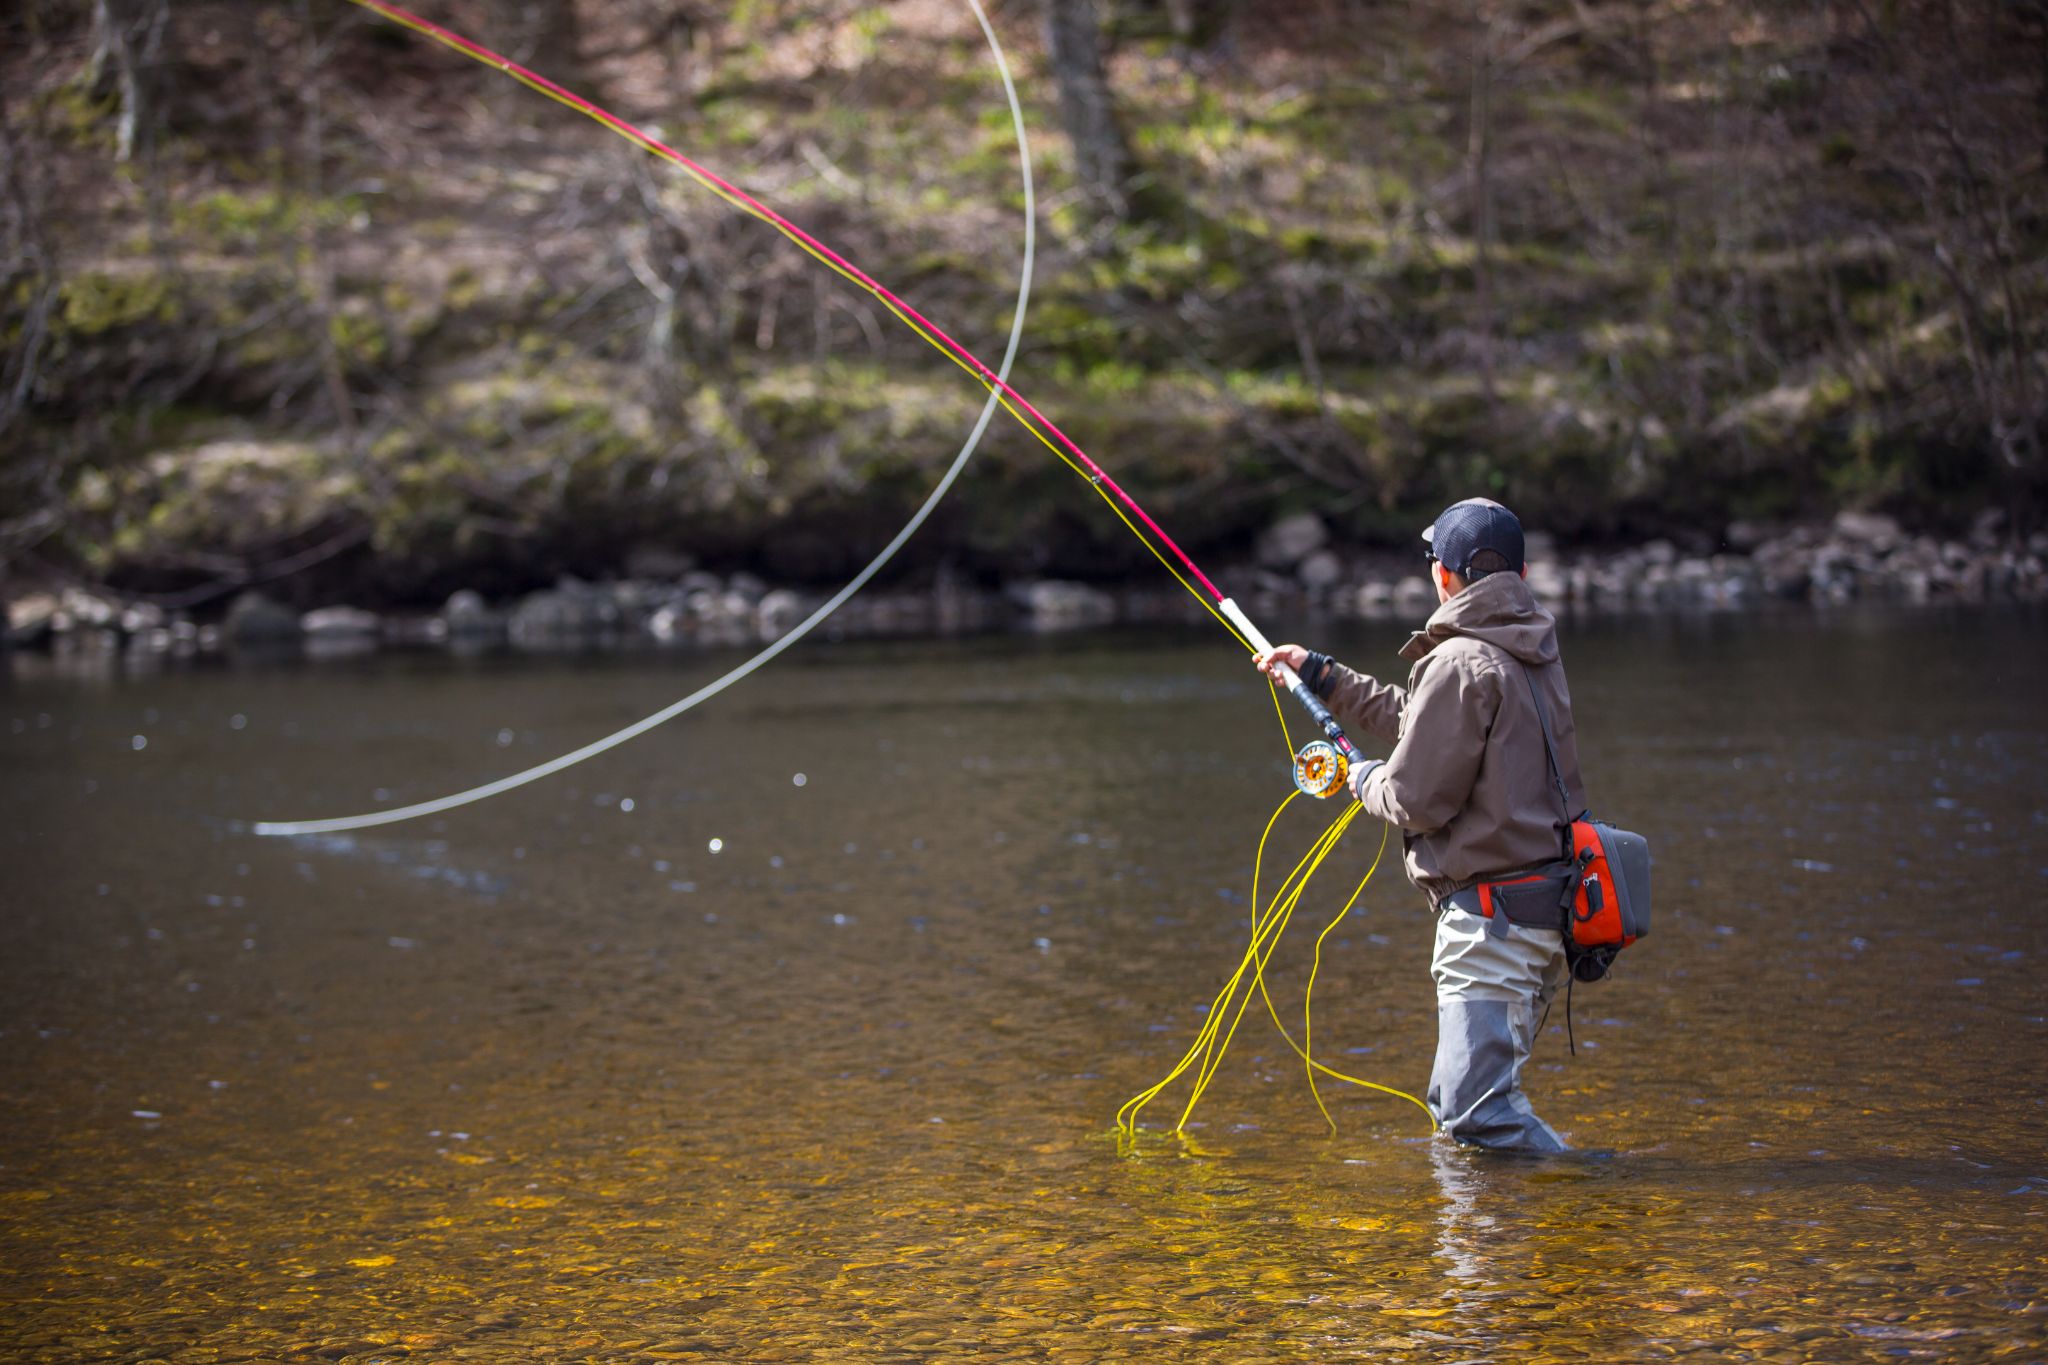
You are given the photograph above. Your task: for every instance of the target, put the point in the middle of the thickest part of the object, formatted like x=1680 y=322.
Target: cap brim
x=1429 y=534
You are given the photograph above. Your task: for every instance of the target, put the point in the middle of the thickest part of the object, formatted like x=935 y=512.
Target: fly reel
x=1320 y=770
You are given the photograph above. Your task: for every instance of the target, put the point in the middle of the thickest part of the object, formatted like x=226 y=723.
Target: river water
x=685 y=1056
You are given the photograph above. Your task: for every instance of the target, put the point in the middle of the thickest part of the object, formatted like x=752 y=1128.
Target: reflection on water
x=675 y=1057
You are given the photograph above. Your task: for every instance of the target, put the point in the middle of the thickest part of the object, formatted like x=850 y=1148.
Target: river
x=796 y=1029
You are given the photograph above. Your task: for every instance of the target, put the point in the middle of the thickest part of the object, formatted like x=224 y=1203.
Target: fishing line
x=747 y=203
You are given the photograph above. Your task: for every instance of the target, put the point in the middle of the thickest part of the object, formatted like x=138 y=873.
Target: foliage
x=1617 y=265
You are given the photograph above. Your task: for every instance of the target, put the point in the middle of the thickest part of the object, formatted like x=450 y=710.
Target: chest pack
x=1599 y=894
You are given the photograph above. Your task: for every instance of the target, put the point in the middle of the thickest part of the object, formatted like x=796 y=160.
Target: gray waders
x=1493 y=979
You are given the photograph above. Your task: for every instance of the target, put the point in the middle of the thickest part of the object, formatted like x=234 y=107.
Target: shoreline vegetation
x=1858 y=557
x=295 y=304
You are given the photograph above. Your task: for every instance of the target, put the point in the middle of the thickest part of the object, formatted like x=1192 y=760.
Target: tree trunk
x=1102 y=156
x=129 y=36
x=1479 y=158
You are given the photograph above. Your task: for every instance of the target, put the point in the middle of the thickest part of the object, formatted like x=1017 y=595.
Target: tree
x=1102 y=154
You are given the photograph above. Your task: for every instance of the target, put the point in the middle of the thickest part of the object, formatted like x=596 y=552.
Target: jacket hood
x=1498 y=610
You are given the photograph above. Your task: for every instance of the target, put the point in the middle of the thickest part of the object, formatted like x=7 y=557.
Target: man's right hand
x=1294 y=656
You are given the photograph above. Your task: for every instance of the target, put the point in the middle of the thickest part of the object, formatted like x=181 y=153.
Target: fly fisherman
x=1469 y=783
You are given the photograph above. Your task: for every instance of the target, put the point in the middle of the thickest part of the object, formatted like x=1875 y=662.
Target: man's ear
x=1525 y=571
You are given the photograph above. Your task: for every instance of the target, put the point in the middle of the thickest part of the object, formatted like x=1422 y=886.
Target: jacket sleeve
x=1364 y=703
x=1429 y=776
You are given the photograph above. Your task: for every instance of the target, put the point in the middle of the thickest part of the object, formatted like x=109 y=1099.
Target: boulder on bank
x=254 y=619
x=1290 y=540
x=341 y=623
x=1053 y=604
x=1320 y=571
x=468 y=617
x=568 y=612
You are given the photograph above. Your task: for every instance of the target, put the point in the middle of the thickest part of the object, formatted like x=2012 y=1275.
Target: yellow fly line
x=1206 y=1053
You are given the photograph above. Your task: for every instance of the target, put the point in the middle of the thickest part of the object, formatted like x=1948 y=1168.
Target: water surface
x=552 y=1078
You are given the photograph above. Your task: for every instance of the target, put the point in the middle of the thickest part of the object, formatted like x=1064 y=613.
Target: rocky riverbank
x=1297 y=565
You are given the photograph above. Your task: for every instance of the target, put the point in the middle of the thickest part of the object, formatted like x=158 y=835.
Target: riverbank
x=1296 y=566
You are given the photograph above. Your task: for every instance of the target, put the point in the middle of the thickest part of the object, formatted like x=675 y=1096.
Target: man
x=1469 y=783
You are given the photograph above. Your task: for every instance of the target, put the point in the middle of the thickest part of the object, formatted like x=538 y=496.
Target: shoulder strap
x=1564 y=796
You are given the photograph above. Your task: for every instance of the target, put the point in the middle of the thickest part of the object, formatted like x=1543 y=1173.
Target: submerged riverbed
x=795 y=1030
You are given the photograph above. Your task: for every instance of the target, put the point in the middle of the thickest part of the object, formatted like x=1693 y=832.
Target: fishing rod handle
x=1291 y=680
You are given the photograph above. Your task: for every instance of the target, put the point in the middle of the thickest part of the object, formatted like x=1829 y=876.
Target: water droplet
x=238 y=722
x=842 y=918
x=799 y=780
x=1044 y=945
x=139 y=743
x=716 y=845
x=505 y=738
x=145 y=1113
x=626 y=804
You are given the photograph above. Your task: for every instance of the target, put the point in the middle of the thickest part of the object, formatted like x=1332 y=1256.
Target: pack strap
x=1564 y=796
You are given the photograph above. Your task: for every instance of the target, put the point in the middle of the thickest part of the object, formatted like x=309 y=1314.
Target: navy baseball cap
x=1465 y=528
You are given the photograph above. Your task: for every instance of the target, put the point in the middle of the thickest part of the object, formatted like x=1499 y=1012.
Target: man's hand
x=1294 y=656
x=1358 y=775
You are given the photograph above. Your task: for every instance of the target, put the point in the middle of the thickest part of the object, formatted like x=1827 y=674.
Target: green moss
x=92 y=303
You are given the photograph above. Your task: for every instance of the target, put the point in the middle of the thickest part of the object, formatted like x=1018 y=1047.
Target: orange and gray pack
x=1598 y=894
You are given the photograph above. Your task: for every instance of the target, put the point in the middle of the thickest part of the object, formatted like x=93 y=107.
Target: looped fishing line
x=1206 y=1053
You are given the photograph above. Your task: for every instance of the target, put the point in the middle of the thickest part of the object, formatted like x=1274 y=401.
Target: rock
x=669 y=623
x=78 y=609
x=658 y=562
x=777 y=612
x=1538 y=545
x=1050 y=604
x=29 y=618
x=1375 y=600
x=468 y=617
x=570 y=611
x=341 y=623
x=1292 y=539
x=1320 y=570
x=1547 y=581
x=1661 y=553
x=1414 y=596
x=142 y=617
x=1872 y=529
x=254 y=619
x=1987 y=528
x=1745 y=536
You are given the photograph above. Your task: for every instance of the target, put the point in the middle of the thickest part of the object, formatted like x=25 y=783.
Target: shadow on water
x=794 y=1030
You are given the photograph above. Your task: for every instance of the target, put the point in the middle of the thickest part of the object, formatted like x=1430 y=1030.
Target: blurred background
x=296 y=300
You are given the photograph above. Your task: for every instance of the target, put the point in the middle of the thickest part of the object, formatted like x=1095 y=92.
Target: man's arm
x=1363 y=702
x=1428 y=778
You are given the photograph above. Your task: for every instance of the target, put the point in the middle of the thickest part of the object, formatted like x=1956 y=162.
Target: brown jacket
x=1467 y=780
